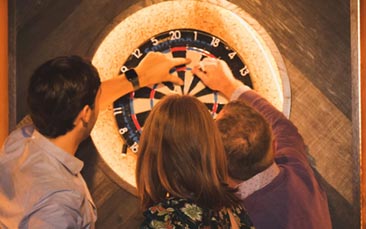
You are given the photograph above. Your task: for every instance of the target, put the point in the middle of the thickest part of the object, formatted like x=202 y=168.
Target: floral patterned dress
x=182 y=213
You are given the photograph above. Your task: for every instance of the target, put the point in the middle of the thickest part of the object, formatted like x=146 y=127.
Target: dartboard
x=131 y=110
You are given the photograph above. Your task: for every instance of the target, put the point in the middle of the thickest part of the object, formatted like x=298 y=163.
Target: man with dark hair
x=58 y=90
x=41 y=185
x=267 y=157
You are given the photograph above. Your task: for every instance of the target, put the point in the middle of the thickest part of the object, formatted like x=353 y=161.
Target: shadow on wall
x=342 y=213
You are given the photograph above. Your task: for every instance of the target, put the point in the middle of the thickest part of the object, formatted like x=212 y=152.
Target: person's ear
x=84 y=116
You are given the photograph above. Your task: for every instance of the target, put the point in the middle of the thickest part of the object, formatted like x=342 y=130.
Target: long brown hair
x=181 y=153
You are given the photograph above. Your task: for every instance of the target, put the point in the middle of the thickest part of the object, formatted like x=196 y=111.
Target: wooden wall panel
x=363 y=110
x=4 y=104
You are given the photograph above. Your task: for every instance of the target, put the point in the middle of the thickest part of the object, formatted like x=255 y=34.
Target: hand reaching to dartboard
x=155 y=66
x=216 y=74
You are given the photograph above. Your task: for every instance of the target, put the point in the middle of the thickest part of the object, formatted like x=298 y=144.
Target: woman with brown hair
x=181 y=169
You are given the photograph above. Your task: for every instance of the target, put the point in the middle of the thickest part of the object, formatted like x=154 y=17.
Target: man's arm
x=154 y=68
x=218 y=76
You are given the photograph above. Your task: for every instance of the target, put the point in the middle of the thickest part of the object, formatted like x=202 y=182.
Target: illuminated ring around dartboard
x=132 y=109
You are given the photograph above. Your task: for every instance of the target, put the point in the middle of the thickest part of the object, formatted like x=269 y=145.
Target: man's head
x=59 y=90
x=247 y=139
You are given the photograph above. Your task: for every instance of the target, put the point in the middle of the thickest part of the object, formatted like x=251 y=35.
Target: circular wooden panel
x=230 y=25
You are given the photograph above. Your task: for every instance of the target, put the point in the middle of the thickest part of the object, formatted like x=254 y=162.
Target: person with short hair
x=266 y=157
x=40 y=182
x=181 y=169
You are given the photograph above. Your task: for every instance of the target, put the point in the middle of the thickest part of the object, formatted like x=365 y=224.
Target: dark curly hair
x=58 y=90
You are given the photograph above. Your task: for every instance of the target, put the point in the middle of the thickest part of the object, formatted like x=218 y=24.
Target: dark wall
x=46 y=28
x=315 y=37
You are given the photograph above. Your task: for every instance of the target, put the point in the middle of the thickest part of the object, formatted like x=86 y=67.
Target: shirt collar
x=257 y=182
x=73 y=164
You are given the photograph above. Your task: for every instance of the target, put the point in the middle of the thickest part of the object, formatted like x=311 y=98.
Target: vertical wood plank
x=363 y=109
x=4 y=99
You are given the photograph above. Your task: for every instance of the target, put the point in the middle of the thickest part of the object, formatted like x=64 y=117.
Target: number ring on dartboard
x=132 y=109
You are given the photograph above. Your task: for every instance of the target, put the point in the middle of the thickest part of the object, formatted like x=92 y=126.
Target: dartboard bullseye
x=132 y=110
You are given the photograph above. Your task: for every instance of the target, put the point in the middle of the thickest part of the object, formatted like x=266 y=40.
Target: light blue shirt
x=41 y=185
